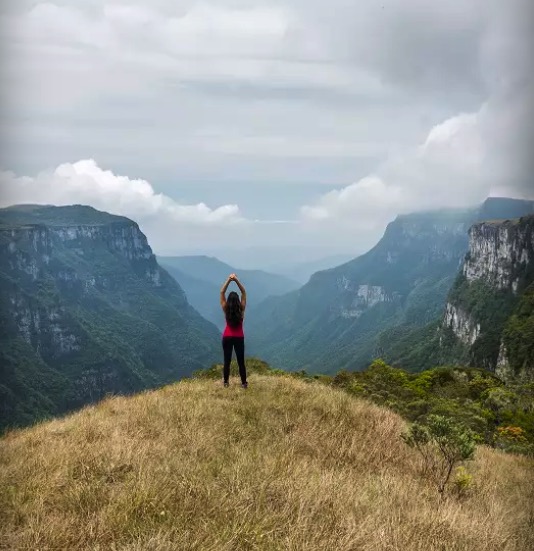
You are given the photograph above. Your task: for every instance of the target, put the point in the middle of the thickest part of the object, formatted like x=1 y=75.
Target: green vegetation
x=416 y=348
x=472 y=398
x=329 y=324
x=518 y=333
x=86 y=312
x=443 y=445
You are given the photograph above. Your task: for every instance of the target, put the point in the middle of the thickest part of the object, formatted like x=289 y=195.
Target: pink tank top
x=236 y=331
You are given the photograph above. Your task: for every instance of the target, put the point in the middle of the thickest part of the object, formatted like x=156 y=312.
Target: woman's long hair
x=233 y=310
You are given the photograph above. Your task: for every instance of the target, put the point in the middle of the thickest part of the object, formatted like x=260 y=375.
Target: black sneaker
x=226 y=384
x=244 y=385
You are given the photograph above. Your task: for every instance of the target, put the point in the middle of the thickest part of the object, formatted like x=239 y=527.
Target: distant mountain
x=85 y=310
x=302 y=271
x=502 y=208
x=338 y=319
x=201 y=278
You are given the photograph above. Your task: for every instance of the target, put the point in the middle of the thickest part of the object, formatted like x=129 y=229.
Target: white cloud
x=454 y=167
x=354 y=205
x=462 y=160
x=84 y=182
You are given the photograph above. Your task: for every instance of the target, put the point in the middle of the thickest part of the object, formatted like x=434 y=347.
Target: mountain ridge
x=67 y=215
x=89 y=302
x=402 y=281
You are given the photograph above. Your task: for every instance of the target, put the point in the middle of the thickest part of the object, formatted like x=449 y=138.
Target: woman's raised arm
x=223 y=292
x=243 y=292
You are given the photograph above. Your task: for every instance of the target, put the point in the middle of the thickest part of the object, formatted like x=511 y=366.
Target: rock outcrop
x=490 y=293
x=499 y=253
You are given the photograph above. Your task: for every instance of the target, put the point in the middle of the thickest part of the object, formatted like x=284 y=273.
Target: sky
x=281 y=130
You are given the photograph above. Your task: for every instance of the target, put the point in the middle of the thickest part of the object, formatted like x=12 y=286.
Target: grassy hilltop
x=287 y=464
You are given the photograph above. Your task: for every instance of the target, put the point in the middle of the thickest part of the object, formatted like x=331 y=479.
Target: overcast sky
x=229 y=123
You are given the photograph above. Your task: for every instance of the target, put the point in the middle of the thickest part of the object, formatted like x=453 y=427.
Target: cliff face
x=90 y=302
x=31 y=256
x=489 y=299
x=374 y=305
x=360 y=297
x=332 y=322
x=499 y=253
x=461 y=324
x=31 y=251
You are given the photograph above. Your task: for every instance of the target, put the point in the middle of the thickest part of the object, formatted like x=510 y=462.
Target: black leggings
x=237 y=343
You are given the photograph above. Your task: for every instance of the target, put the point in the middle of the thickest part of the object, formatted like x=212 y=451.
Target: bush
x=471 y=397
x=443 y=444
x=342 y=379
x=513 y=439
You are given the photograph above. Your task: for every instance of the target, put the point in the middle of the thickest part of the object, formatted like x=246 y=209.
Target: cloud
x=171 y=227
x=421 y=105
x=84 y=182
x=463 y=159
x=292 y=69
x=454 y=167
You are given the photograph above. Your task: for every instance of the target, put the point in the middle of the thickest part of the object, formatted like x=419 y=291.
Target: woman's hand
x=232 y=277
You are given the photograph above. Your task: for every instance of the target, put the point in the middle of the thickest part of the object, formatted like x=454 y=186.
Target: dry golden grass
x=284 y=465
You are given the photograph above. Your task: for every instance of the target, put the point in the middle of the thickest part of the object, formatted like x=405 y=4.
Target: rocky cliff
x=488 y=310
x=348 y=315
x=499 y=253
x=332 y=322
x=86 y=310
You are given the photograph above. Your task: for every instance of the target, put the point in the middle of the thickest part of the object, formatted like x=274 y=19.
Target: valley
x=87 y=309
x=378 y=304
x=201 y=278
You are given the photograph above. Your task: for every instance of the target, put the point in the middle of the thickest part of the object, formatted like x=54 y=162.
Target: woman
x=233 y=336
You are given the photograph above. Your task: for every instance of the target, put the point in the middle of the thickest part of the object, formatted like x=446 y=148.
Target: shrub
x=479 y=385
x=443 y=444
x=513 y=439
